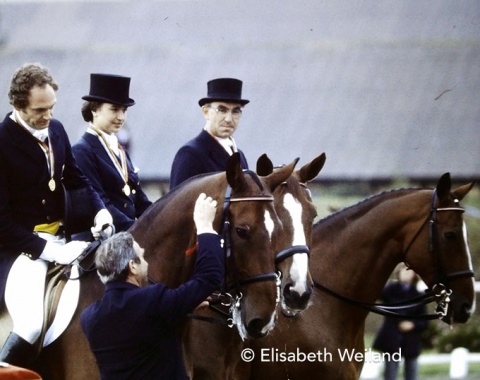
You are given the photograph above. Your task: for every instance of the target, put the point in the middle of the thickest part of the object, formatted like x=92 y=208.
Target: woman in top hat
x=209 y=151
x=100 y=156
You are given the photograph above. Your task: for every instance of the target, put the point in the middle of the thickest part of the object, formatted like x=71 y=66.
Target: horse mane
x=373 y=200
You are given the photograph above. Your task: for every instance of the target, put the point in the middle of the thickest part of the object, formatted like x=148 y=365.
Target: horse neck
x=167 y=232
x=356 y=249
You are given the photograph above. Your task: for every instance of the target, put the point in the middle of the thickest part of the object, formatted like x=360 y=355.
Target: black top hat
x=108 y=88
x=224 y=89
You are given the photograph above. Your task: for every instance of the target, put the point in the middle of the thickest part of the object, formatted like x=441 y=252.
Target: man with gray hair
x=132 y=330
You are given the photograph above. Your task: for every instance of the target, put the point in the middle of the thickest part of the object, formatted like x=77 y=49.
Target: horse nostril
x=287 y=289
x=294 y=299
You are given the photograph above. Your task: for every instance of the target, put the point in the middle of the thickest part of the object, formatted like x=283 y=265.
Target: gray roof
x=385 y=88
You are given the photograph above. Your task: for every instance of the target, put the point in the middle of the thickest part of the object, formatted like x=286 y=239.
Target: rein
x=442 y=299
x=439 y=292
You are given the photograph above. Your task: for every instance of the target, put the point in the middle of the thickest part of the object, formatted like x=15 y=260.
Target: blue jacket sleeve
x=207 y=277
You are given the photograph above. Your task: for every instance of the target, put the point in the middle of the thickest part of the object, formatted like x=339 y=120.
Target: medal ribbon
x=121 y=166
x=46 y=148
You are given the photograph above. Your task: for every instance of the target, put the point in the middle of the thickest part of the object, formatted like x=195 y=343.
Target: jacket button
x=125 y=205
x=44 y=201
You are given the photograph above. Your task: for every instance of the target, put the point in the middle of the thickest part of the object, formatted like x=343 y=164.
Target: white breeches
x=24 y=293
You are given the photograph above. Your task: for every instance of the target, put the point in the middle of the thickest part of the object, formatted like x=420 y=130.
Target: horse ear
x=235 y=176
x=281 y=175
x=264 y=165
x=443 y=187
x=311 y=170
x=461 y=191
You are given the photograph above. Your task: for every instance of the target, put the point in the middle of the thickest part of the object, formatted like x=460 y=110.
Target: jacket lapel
x=98 y=148
x=214 y=150
x=24 y=141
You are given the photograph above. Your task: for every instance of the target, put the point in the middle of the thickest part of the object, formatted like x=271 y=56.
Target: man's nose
x=48 y=115
x=229 y=116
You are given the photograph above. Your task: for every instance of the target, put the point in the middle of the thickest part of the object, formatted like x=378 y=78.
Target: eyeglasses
x=223 y=111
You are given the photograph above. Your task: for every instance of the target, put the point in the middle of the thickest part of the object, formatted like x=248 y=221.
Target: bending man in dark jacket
x=132 y=330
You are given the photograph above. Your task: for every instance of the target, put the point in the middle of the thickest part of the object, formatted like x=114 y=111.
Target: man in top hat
x=209 y=151
x=100 y=156
x=37 y=164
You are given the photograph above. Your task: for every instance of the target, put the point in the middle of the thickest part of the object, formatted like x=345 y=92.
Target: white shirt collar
x=111 y=139
x=228 y=143
x=40 y=134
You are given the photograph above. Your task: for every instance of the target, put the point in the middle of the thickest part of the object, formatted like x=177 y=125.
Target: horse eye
x=450 y=235
x=242 y=233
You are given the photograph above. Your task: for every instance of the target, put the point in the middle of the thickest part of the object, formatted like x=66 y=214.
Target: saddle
x=58 y=314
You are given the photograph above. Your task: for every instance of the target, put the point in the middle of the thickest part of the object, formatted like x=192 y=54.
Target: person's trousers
x=410 y=369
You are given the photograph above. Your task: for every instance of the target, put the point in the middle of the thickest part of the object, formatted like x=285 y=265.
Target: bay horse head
x=447 y=268
x=248 y=222
x=294 y=206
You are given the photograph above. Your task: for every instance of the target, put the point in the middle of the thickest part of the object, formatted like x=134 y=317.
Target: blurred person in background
x=402 y=336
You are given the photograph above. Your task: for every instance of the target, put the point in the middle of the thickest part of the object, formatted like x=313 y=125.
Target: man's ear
x=132 y=267
x=205 y=111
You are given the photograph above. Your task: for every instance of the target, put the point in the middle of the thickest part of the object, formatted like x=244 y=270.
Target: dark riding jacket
x=97 y=165
x=201 y=155
x=133 y=331
x=25 y=197
x=389 y=338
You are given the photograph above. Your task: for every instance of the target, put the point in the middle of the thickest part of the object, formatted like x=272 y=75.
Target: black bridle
x=231 y=295
x=225 y=299
x=439 y=292
x=227 y=244
x=290 y=251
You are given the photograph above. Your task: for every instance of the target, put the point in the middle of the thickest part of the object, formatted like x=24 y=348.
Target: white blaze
x=299 y=268
x=269 y=225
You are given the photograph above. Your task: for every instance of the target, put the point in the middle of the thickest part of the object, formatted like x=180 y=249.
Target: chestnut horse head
x=293 y=203
x=448 y=265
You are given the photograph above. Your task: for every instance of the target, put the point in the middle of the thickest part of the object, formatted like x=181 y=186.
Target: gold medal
x=51 y=184
x=126 y=190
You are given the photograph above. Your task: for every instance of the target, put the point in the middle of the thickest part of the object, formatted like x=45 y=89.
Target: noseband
x=443 y=276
